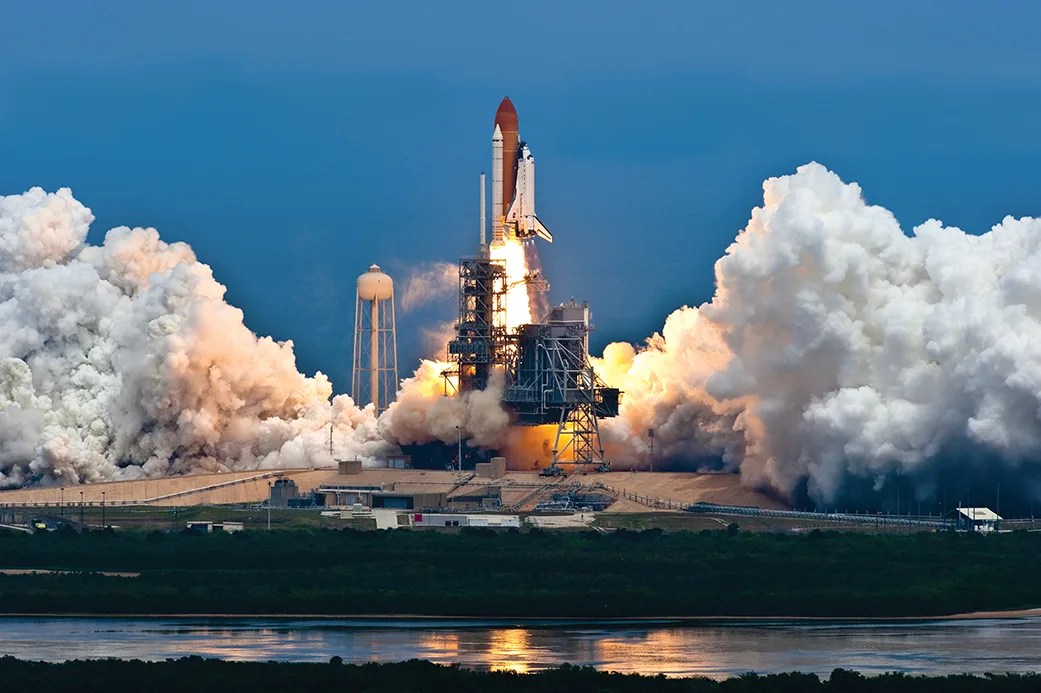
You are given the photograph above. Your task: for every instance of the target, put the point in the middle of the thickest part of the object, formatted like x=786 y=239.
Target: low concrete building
x=397 y=462
x=407 y=500
x=381 y=498
x=210 y=527
x=495 y=469
x=463 y=520
x=476 y=498
x=282 y=492
x=345 y=467
x=385 y=488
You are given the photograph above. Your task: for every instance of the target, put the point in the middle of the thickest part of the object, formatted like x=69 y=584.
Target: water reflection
x=672 y=649
x=509 y=649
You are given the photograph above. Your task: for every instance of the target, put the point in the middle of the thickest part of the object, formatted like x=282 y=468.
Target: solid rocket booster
x=497 y=196
x=513 y=181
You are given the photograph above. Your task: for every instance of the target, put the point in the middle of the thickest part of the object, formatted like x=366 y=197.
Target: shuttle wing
x=540 y=229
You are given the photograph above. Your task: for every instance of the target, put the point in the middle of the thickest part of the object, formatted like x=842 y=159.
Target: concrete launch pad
x=518 y=491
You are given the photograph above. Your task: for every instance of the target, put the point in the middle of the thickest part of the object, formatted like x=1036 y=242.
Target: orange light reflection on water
x=510 y=650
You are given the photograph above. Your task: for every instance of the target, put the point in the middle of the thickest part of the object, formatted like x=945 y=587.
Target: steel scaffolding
x=552 y=382
x=481 y=340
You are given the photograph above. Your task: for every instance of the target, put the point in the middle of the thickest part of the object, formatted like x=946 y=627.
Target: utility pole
x=650 y=436
x=459 y=430
x=81 y=510
x=269 y=506
x=62 y=504
x=103 y=525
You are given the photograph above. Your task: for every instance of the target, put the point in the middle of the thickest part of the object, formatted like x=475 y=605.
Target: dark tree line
x=197 y=674
x=533 y=573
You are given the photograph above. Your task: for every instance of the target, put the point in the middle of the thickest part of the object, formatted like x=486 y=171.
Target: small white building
x=203 y=527
x=977 y=520
x=463 y=520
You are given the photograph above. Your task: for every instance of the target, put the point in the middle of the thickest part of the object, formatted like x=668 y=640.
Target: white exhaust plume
x=839 y=353
x=422 y=413
x=438 y=281
x=123 y=360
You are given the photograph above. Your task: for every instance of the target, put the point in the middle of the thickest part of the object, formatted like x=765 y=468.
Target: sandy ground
x=251 y=487
x=202 y=489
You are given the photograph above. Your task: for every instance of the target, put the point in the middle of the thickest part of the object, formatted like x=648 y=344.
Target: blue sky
x=293 y=144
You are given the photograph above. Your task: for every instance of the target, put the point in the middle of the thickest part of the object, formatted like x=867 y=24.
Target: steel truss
x=481 y=340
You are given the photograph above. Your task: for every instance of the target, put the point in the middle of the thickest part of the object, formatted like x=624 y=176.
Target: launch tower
x=480 y=340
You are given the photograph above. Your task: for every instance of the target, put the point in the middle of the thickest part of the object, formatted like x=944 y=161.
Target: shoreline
x=554 y=620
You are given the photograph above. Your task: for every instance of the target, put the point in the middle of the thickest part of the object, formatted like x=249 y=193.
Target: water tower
x=374 y=375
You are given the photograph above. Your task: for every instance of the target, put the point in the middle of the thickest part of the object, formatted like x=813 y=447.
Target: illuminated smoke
x=123 y=360
x=839 y=353
x=538 y=298
x=425 y=411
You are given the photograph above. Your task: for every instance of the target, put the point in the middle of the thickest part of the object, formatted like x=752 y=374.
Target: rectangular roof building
x=978 y=520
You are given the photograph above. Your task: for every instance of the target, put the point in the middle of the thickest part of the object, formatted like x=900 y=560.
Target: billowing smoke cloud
x=838 y=354
x=123 y=360
x=423 y=413
x=838 y=351
x=433 y=282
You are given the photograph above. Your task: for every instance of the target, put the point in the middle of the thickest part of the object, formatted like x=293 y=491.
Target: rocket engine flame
x=518 y=304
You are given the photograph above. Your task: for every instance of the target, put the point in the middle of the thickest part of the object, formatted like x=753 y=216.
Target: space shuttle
x=513 y=182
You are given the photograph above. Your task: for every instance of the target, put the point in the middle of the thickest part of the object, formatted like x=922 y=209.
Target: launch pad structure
x=552 y=381
x=481 y=341
x=548 y=377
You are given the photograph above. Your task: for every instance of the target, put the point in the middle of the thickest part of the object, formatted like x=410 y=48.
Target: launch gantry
x=548 y=375
x=553 y=382
x=480 y=341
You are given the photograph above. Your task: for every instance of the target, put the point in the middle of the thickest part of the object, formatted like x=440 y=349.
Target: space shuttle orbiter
x=513 y=181
x=521 y=219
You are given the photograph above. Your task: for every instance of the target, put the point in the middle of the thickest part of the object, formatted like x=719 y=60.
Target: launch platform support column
x=374 y=372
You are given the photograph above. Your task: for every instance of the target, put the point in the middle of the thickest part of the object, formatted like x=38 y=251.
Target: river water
x=645 y=647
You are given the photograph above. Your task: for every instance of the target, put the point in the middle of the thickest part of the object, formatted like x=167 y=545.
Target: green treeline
x=196 y=674
x=480 y=572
